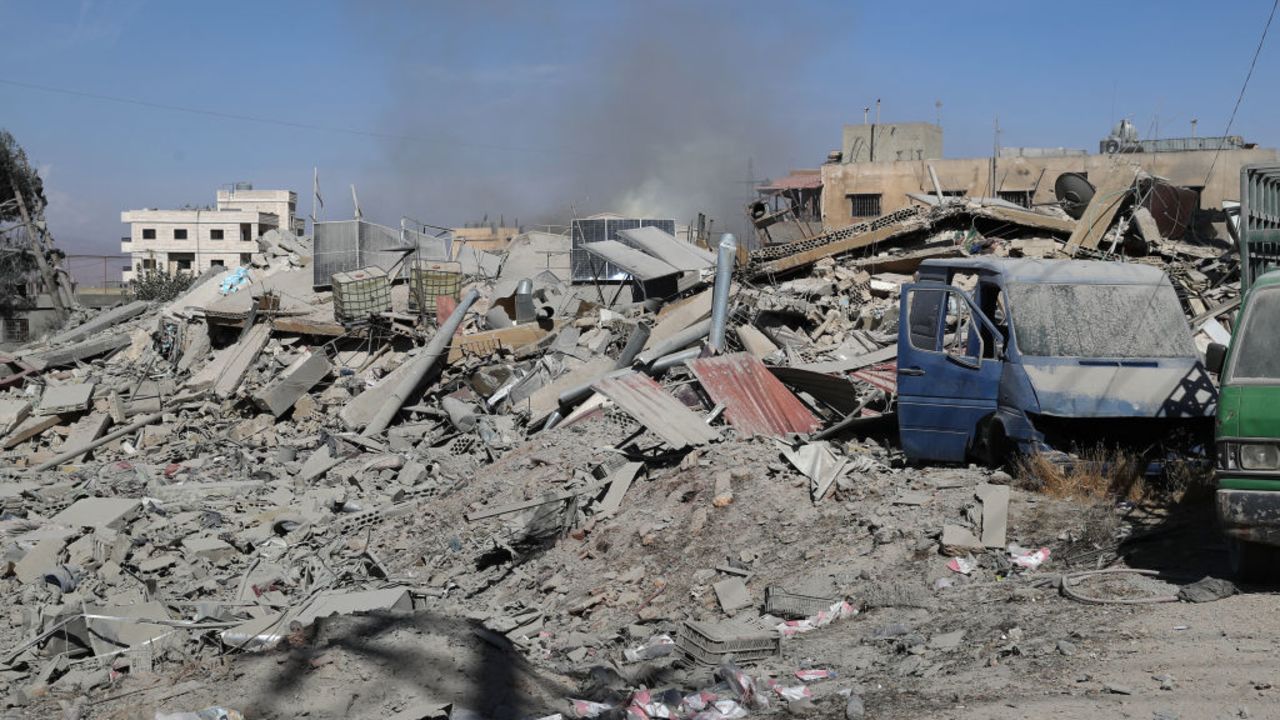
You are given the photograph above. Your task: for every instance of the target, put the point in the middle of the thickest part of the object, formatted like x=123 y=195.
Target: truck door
x=948 y=378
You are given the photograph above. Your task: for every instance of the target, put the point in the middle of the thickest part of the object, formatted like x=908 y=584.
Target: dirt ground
x=927 y=641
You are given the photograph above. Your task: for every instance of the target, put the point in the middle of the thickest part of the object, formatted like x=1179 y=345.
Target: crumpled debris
x=1207 y=589
x=791 y=628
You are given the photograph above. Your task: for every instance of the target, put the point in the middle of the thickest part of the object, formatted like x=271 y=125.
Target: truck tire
x=1253 y=562
x=993 y=445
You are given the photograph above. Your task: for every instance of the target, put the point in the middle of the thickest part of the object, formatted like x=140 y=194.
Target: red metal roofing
x=755 y=402
x=795 y=181
x=663 y=415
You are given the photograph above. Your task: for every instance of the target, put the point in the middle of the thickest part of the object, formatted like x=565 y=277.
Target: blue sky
x=536 y=110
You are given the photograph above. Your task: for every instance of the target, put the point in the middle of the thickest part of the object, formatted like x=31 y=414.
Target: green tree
x=16 y=259
x=17 y=175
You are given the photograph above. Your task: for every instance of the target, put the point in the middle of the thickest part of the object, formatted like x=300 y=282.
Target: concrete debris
x=558 y=487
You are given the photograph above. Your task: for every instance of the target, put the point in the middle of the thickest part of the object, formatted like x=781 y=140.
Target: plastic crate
x=783 y=603
x=429 y=280
x=360 y=294
x=713 y=643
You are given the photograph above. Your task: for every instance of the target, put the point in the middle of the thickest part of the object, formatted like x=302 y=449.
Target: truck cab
x=998 y=355
x=1247 y=471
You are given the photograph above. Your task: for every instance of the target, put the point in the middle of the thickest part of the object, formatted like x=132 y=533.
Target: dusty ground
x=926 y=643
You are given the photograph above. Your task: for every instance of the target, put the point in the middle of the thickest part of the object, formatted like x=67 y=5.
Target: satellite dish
x=1074 y=192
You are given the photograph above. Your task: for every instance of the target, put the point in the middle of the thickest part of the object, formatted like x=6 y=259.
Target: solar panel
x=583 y=266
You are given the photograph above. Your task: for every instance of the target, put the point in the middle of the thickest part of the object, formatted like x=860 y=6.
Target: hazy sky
x=446 y=111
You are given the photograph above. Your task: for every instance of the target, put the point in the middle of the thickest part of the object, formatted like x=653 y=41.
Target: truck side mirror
x=1215 y=357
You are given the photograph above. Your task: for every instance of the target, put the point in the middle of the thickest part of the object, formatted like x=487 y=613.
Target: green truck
x=1248 y=424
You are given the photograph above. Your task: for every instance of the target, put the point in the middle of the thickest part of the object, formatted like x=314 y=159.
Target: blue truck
x=997 y=355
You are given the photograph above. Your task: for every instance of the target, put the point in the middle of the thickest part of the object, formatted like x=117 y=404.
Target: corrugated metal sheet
x=667 y=248
x=637 y=264
x=755 y=402
x=663 y=415
x=805 y=180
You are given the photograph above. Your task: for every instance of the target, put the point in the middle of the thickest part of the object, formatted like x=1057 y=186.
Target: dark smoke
x=645 y=108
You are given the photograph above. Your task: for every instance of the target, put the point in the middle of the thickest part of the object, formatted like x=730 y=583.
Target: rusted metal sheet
x=883 y=376
x=663 y=415
x=755 y=402
x=1172 y=208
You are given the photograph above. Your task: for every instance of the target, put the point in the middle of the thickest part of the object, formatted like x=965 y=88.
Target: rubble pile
x=616 y=504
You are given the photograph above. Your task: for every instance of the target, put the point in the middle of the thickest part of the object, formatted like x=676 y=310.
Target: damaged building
x=880 y=167
x=629 y=470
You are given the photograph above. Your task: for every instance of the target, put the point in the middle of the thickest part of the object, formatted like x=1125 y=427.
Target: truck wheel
x=1253 y=562
x=993 y=445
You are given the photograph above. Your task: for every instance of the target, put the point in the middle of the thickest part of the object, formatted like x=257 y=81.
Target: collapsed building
x=568 y=442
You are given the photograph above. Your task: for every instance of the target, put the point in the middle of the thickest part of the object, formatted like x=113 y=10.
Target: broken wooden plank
x=489 y=342
x=30 y=428
x=304 y=326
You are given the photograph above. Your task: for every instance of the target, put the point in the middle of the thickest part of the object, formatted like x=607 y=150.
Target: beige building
x=855 y=189
x=281 y=203
x=192 y=241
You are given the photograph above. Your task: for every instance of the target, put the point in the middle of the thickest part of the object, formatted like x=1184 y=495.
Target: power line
x=285 y=123
x=1240 y=97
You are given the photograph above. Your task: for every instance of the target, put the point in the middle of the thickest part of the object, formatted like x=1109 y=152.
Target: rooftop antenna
x=937 y=108
x=865 y=112
x=877 y=111
x=355 y=202
x=1193 y=126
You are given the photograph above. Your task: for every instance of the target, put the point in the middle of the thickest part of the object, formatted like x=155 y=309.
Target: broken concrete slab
x=64 y=399
x=995 y=514
x=100 y=322
x=115 y=627
x=108 y=512
x=732 y=594
x=957 y=541
x=241 y=357
x=619 y=481
x=347 y=603
x=12 y=412
x=293 y=382
x=85 y=431
x=40 y=559
x=84 y=350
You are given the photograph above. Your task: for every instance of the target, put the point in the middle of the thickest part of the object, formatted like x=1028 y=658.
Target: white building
x=192 y=241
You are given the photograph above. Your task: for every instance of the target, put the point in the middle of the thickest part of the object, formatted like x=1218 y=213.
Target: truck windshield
x=1255 y=352
x=1099 y=321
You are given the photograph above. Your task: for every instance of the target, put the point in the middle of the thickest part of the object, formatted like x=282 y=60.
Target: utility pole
x=46 y=273
x=995 y=152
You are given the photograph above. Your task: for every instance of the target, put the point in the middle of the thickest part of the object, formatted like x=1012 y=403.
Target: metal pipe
x=635 y=343
x=421 y=364
x=525 y=311
x=679 y=341
x=76 y=452
x=728 y=254
x=668 y=361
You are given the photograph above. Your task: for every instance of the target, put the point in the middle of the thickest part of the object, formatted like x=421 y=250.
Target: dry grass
x=1098 y=474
